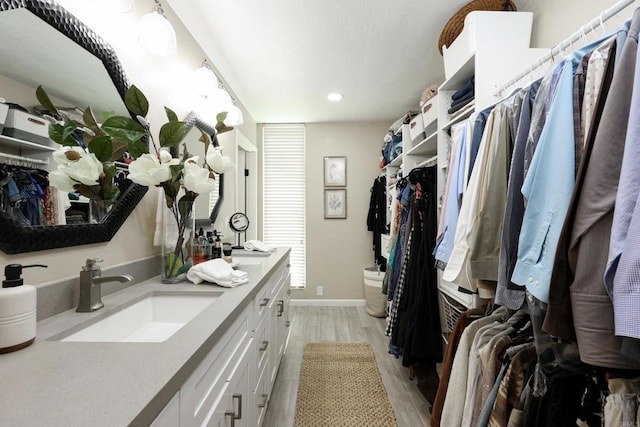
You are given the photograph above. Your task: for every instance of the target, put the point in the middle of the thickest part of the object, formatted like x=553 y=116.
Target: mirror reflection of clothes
x=25 y=194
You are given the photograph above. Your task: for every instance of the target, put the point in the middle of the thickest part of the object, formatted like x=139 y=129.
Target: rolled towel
x=217 y=271
x=257 y=245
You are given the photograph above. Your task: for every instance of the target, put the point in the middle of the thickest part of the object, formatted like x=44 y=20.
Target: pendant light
x=205 y=82
x=155 y=32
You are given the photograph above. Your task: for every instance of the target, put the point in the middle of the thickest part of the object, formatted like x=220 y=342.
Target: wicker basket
x=454 y=27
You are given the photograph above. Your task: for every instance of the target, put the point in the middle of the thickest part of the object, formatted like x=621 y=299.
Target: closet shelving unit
x=491 y=66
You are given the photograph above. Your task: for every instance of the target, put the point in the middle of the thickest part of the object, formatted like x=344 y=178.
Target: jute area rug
x=340 y=385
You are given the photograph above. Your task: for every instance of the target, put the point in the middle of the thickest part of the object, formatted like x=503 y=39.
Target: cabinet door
x=240 y=408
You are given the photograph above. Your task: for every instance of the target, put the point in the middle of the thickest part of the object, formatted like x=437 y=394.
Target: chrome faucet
x=90 y=285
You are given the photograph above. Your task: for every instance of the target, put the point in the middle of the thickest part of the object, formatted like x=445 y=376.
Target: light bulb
x=156 y=34
x=205 y=82
x=234 y=116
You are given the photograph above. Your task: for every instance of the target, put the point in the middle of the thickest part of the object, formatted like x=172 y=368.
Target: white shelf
x=427 y=146
x=461 y=115
x=20 y=144
x=397 y=162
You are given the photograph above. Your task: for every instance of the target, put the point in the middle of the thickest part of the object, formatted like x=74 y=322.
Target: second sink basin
x=154 y=317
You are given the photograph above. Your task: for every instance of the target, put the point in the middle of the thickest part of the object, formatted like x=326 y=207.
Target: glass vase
x=177 y=229
x=98 y=210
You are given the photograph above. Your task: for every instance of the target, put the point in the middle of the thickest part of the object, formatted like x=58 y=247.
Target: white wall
x=554 y=20
x=338 y=249
x=165 y=81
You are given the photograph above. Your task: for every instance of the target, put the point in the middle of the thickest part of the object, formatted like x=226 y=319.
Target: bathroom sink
x=153 y=317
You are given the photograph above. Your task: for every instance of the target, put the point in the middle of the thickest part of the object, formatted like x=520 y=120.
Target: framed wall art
x=335 y=203
x=335 y=171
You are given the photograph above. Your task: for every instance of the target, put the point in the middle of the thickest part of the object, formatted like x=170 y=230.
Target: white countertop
x=53 y=383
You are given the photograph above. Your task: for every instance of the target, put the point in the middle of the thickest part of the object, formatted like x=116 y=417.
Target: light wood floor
x=343 y=324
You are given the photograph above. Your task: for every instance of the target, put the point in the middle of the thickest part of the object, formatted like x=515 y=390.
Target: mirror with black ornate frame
x=195 y=124
x=15 y=237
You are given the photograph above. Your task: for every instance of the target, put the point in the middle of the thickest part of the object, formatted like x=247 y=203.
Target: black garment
x=417 y=330
x=377 y=218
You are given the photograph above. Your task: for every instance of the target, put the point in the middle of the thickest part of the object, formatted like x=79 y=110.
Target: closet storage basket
x=451 y=310
x=455 y=24
x=376 y=301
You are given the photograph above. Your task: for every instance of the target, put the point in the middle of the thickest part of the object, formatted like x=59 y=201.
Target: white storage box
x=26 y=126
x=4 y=109
x=416 y=128
x=487 y=29
x=429 y=114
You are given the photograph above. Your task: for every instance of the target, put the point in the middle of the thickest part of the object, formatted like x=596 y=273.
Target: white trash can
x=376 y=301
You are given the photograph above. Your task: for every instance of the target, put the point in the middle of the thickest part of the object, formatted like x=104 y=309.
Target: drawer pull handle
x=280 y=308
x=265 y=344
x=265 y=398
x=237 y=397
x=288 y=291
x=287 y=323
x=231 y=415
x=265 y=302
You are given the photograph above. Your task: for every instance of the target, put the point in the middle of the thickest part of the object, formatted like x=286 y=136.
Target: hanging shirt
x=453 y=193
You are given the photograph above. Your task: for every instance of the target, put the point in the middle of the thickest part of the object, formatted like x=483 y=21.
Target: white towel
x=217 y=271
x=257 y=245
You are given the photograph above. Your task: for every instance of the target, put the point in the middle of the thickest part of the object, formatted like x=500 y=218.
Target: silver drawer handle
x=237 y=397
x=265 y=302
x=232 y=415
x=265 y=344
x=288 y=291
x=280 y=308
x=265 y=398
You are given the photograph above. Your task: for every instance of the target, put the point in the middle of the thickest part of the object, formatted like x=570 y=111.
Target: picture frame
x=335 y=203
x=335 y=171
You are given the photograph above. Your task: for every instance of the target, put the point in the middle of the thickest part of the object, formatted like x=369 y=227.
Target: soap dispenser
x=17 y=310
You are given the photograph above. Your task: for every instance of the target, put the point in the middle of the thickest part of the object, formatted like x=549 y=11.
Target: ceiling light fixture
x=205 y=82
x=213 y=97
x=335 y=97
x=155 y=32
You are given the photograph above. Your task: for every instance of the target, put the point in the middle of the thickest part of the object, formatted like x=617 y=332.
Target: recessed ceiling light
x=334 y=97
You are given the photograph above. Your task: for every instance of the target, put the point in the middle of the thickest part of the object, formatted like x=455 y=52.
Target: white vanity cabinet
x=232 y=385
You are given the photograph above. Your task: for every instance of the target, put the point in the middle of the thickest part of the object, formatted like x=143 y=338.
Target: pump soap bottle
x=17 y=310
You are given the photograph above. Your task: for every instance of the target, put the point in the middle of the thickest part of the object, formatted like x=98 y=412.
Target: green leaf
x=172 y=133
x=56 y=133
x=136 y=102
x=123 y=128
x=221 y=116
x=170 y=191
x=44 y=99
x=176 y=173
x=171 y=115
x=91 y=122
x=206 y=140
x=102 y=147
x=222 y=128
x=105 y=115
x=185 y=205
x=173 y=264
x=137 y=149
x=119 y=148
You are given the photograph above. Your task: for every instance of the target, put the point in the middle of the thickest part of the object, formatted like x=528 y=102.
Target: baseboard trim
x=329 y=302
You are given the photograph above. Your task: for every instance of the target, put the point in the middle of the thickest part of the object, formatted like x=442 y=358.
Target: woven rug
x=340 y=385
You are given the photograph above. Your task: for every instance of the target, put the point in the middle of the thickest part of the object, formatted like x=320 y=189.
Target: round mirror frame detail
x=16 y=238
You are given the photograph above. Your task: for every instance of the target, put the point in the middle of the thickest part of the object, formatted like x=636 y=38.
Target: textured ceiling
x=280 y=58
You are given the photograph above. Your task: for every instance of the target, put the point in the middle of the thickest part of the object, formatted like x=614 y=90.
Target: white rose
x=147 y=170
x=196 y=178
x=86 y=170
x=61 y=181
x=218 y=162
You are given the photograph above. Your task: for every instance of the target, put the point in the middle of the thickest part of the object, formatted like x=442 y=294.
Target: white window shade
x=284 y=216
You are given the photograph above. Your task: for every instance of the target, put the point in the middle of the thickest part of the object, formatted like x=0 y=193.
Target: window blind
x=283 y=188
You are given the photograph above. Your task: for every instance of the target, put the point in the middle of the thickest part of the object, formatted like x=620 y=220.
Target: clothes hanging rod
x=597 y=22
x=24 y=159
